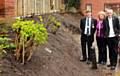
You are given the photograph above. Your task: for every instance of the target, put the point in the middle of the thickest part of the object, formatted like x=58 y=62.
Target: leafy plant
x=72 y=3
x=28 y=34
x=5 y=45
x=53 y=24
x=41 y=19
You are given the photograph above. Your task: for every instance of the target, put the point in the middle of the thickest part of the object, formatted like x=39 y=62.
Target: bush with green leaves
x=72 y=3
x=5 y=45
x=53 y=24
x=27 y=35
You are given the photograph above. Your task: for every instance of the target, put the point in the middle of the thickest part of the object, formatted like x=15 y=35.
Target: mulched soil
x=60 y=56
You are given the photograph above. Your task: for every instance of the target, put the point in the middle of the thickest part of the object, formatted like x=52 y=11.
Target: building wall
x=2 y=8
x=27 y=7
x=9 y=8
x=97 y=5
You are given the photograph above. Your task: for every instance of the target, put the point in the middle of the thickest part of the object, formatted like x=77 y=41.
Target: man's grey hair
x=109 y=10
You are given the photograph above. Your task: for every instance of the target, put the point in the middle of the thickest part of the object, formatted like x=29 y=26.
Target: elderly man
x=87 y=27
x=112 y=30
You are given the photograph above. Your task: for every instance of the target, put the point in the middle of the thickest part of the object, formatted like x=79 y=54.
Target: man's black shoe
x=93 y=68
x=112 y=68
x=88 y=62
x=103 y=63
x=109 y=65
x=83 y=60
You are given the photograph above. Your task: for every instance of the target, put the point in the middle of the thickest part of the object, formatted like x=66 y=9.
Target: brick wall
x=2 y=6
x=9 y=8
x=97 y=5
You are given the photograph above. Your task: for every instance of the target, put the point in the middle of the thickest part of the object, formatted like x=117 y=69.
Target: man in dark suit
x=87 y=27
x=112 y=30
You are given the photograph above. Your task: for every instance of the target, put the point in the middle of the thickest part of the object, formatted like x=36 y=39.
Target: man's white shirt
x=111 y=32
x=87 y=26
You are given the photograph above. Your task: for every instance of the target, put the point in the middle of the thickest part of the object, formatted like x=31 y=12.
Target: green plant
x=72 y=3
x=53 y=24
x=41 y=19
x=5 y=45
x=28 y=33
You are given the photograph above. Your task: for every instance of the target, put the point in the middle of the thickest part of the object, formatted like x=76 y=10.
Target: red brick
x=97 y=5
x=2 y=6
x=9 y=7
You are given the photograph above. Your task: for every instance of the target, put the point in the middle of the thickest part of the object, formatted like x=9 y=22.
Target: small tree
x=27 y=35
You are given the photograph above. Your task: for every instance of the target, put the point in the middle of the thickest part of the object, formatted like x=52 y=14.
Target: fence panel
x=27 y=7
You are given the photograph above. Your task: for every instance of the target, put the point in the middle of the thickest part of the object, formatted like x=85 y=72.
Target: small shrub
x=53 y=24
x=28 y=34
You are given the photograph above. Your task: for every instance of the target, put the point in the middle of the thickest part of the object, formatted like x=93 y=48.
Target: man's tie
x=88 y=27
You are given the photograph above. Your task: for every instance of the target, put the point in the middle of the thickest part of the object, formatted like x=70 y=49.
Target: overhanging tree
x=72 y=3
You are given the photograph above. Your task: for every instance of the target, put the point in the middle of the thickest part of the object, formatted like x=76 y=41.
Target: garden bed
x=58 y=57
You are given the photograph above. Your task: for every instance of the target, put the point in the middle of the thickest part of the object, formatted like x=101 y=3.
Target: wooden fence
x=27 y=7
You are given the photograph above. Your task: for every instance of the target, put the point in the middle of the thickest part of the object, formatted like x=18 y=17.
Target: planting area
x=58 y=55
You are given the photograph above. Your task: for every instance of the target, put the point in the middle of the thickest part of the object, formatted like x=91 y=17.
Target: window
x=114 y=6
x=89 y=7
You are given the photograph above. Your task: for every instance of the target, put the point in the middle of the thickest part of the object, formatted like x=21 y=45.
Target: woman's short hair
x=102 y=13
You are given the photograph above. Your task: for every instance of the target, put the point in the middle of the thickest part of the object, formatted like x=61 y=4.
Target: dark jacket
x=93 y=27
x=83 y=24
x=116 y=26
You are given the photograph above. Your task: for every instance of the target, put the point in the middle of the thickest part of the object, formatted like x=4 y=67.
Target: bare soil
x=60 y=56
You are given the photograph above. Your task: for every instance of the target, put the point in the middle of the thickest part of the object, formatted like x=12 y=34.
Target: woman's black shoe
x=83 y=60
x=112 y=67
x=109 y=65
